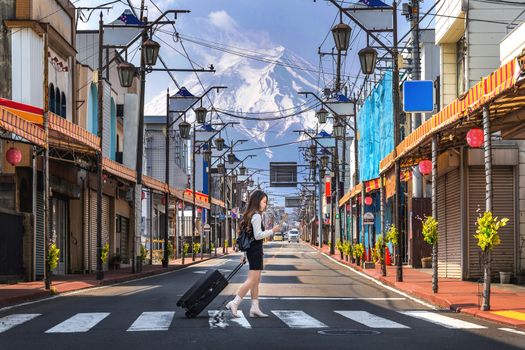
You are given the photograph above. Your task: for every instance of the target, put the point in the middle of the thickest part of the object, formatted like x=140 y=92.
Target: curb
x=42 y=294
x=437 y=301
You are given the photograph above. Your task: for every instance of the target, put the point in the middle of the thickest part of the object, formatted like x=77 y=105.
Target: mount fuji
x=272 y=87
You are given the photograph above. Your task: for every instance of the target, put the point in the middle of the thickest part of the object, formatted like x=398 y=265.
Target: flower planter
x=426 y=262
x=504 y=277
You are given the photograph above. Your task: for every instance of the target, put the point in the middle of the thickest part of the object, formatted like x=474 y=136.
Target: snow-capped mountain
x=253 y=87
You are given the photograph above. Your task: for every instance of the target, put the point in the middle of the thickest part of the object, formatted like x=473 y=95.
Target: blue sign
x=418 y=96
x=222 y=216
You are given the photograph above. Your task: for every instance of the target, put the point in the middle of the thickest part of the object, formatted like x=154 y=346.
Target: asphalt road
x=313 y=303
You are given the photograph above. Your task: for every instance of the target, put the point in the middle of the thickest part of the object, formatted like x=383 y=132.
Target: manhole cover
x=336 y=332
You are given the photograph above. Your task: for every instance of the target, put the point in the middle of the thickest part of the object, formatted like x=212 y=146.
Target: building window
x=58 y=101
x=51 y=102
x=461 y=53
x=63 y=108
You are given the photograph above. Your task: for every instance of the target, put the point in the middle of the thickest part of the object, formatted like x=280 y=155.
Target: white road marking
x=222 y=320
x=81 y=322
x=364 y=275
x=14 y=320
x=201 y=272
x=152 y=321
x=441 y=320
x=298 y=319
x=370 y=320
x=329 y=298
x=511 y=330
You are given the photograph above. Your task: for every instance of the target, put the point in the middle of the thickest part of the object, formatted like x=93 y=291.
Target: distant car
x=278 y=236
x=293 y=236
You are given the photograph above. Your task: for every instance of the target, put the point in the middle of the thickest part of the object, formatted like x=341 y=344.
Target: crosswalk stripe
x=11 y=321
x=441 y=320
x=81 y=322
x=512 y=330
x=152 y=321
x=223 y=320
x=370 y=320
x=298 y=319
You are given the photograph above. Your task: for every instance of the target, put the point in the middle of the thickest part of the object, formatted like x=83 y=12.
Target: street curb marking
x=379 y=283
x=511 y=330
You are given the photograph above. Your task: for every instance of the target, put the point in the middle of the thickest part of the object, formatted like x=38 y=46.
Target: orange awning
x=13 y=123
x=29 y=113
x=62 y=132
x=119 y=170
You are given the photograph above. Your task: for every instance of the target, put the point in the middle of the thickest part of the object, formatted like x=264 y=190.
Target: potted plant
x=359 y=250
x=185 y=249
x=379 y=253
x=104 y=254
x=196 y=249
x=226 y=245
x=340 y=249
x=53 y=253
x=115 y=261
x=171 y=252
x=487 y=227
x=347 y=249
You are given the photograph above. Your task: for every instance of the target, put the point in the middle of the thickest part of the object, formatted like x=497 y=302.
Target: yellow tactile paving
x=511 y=314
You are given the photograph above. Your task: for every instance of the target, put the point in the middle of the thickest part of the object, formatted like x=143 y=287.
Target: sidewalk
x=28 y=291
x=507 y=301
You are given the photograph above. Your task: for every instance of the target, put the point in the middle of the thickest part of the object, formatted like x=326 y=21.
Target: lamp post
x=367 y=59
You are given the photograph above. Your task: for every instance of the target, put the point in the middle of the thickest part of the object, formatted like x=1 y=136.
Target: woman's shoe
x=234 y=305
x=255 y=311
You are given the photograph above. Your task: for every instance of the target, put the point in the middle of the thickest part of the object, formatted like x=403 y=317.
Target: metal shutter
x=449 y=218
x=40 y=251
x=504 y=187
x=124 y=238
x=106 y=222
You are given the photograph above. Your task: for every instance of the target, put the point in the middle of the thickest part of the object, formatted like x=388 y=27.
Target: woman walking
x=252 y=222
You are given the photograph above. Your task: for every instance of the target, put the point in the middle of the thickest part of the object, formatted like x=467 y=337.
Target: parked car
x=278 y=236
x=293 y=236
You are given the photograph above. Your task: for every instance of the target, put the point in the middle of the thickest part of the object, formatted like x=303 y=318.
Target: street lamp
x=219 y=143
x=126 y=72
x=313 y=150
x=200 y=113
x=367 y=58
x=207 y=155
x=184 y=129
x=242 y=170
x=313 y=164
x=321 y=115
x=324 y=161
x=339 y=130
x=150 y=51
x=221 y=169
x=231 y=158
x=341 y=33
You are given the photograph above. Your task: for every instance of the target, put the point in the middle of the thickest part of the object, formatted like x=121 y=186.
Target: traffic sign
x=206 y=228
x=418 y=96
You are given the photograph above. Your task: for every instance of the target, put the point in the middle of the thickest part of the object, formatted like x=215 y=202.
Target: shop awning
x=13 y=123
x=504 y=92
x=65 y=134
x=119 y=170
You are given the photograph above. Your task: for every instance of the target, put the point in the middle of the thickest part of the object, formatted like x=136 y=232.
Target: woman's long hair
x=253 y=207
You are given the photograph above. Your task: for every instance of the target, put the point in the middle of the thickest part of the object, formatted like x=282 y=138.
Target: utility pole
x=413 y=16
x=100 y=131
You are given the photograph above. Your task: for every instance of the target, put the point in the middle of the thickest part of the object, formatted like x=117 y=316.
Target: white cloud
x=223 y=21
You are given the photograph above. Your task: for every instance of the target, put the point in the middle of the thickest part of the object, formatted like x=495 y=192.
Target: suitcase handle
x=235 y=270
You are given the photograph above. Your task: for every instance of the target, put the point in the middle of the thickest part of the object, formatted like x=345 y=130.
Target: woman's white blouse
x=258 y=233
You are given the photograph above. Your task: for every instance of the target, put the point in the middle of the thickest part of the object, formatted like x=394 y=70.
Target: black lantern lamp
x=324 y=161
x=184 y=129
x=219 y=143
x=231 y=158
x=367 y=58
x=339 y=130
x=200 y=113
x=126 y=72
x=313 y=164
x=341 y=33
x=221 y=169
x=206 y=154
x=322 y=172
x=150 y=51
x=321 y=115
x=313 y=150
x=242 y=170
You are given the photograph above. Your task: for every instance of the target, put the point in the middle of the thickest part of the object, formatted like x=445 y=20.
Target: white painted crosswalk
x=370 y=320
x=294 y=319
x=152 y=321
x=79 y=323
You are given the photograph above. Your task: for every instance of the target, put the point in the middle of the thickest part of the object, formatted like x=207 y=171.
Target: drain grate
x=340 y=332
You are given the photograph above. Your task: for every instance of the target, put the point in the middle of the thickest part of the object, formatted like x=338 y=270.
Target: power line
x=270 y=118
x=271 y=146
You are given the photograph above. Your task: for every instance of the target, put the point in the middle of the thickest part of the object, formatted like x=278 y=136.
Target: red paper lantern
x=475 y=137
x=368 y=200
x=13 y=156
x=348 y=207
x=425 y=167
x=199 y=210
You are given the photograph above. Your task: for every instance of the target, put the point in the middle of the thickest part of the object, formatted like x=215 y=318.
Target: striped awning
x=13 y=123
x=118 y=170
x=29 y=113
x=64 y=133
x=502 y=90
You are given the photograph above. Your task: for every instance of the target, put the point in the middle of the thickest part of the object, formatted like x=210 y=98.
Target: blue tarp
x=375 y=123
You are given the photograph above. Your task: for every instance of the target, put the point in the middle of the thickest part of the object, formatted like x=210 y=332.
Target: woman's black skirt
x=255 y=255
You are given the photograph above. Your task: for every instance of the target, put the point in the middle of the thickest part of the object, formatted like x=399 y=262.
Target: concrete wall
x=7 y=10
x=512 y=45
x=449 y=21
x=448 y=74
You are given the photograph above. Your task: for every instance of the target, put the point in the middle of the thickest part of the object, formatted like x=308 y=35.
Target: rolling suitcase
x=204 y=291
